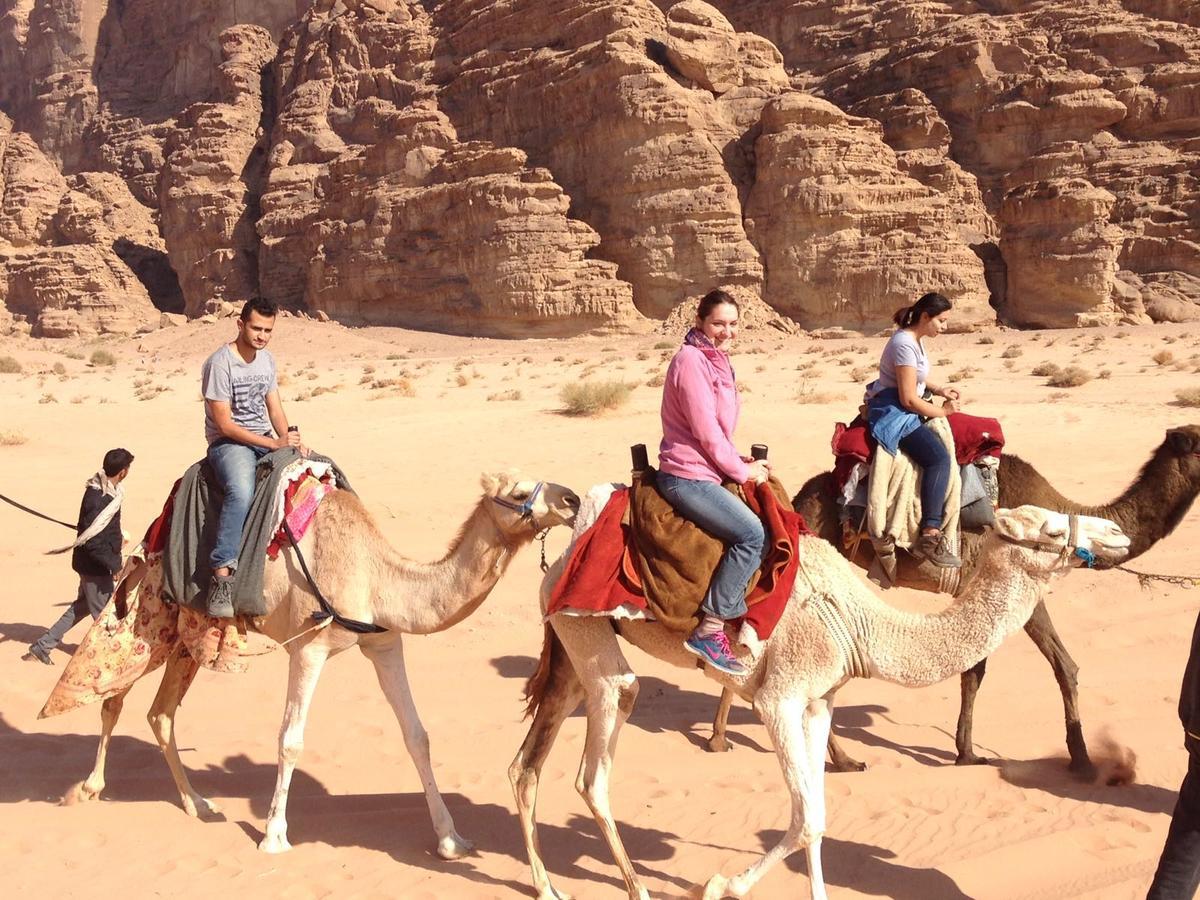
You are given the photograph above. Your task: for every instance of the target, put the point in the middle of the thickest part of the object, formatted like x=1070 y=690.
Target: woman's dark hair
x=116 y=460
x=931 y=304
x=712 y=300
x=260 y=305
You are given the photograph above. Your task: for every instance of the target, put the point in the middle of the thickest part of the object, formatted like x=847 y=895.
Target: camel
x=366 y=580
x=1148 y=510
x=792 y=680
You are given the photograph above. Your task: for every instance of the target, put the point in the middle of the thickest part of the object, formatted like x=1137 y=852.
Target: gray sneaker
x=36 y=652
x=934 y=548
x=220 y=597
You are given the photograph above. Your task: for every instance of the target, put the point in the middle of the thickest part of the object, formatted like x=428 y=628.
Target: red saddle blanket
x=974 y=437
x=602 y=576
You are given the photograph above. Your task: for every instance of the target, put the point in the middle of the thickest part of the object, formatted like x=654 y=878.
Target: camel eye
x=520 y=494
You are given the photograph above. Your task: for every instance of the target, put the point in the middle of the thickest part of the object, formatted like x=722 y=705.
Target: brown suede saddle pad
x=672 y=560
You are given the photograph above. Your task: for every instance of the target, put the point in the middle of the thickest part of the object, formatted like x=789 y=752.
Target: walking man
x=1178 y=872
x=96 y=552
x=241 y=406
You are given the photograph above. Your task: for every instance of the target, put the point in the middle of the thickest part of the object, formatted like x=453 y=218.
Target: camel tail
x=535 y=687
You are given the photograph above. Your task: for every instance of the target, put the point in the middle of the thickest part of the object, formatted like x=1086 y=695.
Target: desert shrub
x=986 y=339
x=664 y=345
x=1104 y=373
x=1011 y=352
x=806 y=392
x=1163 y=357
x=642 y=355
x=73 y=354
x=1045 y=369
x=9 y=366
x=12 y=439
x=462 y=380
x=505 y=395
x=60 y=369
x=48 y=398
x=657 y=380
x=1071 y=376
x=1188 y=397
x=102 y=358
x=368 y=369
x=960 y=375
x=594 y=397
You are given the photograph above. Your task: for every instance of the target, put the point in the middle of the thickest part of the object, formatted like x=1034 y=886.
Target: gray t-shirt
x=243 y=385
x=902 y=349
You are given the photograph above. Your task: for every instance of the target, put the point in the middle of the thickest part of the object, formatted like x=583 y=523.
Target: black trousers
x=1178 y=873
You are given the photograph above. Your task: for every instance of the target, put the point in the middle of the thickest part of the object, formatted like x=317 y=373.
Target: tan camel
x=1149 y=509
x=366 y=580
x=792 y=681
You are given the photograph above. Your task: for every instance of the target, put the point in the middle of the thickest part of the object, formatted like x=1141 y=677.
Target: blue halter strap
x=525 y=508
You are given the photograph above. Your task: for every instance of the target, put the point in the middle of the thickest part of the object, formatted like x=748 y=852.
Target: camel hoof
x=718 y=744
x=272 y=844
x=847 y=765
x=452 y=846
x=80 y=793
x=715 y=888
x=204 y=810
x=971 y=759
x=549 y=893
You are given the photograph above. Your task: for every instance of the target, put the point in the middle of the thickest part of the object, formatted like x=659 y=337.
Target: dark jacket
x=1189 y=693
x=102 y=554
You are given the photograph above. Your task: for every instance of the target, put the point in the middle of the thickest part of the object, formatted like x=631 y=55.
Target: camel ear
x=1182 y=441
x=491 y=484
x=1021 y=524
x=1007 y=525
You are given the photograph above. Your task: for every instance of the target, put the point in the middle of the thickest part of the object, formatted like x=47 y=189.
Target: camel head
x=522 y=507
x=1061 y=541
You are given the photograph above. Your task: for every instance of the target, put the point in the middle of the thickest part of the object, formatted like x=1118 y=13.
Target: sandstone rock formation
x=515 y=167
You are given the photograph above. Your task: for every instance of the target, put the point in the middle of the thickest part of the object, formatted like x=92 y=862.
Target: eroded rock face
x=551 y=166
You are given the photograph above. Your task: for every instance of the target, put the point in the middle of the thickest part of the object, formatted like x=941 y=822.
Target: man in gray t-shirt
x=241 y=407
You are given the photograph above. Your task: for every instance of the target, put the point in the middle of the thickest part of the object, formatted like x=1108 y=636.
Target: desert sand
x=912 y=826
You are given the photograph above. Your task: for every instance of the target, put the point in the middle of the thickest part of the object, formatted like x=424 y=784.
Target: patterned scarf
x=719 y=358
x=100 y=482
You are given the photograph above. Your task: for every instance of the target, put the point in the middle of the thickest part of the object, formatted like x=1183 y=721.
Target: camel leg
x=800 y=732
x=389 y=667
x=304 y=670
x=181 y=668
x=562 y=695
x=90 y=787
x=839 y=759
x=969 y=683
x=1045 y=637
x=718 y=743
x=610 y=689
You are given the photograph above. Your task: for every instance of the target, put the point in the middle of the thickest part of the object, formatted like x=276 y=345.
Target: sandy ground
x=912 y=826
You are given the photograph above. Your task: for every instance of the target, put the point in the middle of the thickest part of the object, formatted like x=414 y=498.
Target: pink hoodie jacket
x=700 y=407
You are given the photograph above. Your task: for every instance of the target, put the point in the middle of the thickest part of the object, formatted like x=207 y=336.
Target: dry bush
x=74 y=354
x=48 y=398
x=1045 y=369
x=148 y=391
x=368 y=369
x=642 y=355
x=559 y=359
x=9 y=366
x=505 y=395
x=945 y=361
x=392 y=387
x=1008 y=364
x=1163 y=357
x=664 y=345
x=862 y=373
x=658 y=380
x=986 y=339
x=79 y=398
x=1071 y=376
x=1188 y=397
x=324 y=389
x=12 y=439
x=594 y=397
x=1058 y=395
x=59 y=369
x=102 y=358
x=961 y=374
x=462 y=380
x=394 y=356
x=313 y=376
x=1011 y=352
x=806 y=392
x=366 y=379
x=1104 y=373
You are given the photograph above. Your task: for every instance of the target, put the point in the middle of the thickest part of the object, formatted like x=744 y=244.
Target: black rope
x=34 y=512
x=327 y=611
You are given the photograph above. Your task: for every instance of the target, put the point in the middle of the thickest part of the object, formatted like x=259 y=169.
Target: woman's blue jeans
x=234 y=466
x=725 y=516
x=927 y=450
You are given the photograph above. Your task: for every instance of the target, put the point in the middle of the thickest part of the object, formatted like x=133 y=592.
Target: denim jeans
x=93 y=595
x=1178 y=872
x=927 y=450
x=234 y=465
x=725 y=516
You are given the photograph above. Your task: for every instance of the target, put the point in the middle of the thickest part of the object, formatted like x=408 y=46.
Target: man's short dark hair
x=116 y=461
x=260 y=305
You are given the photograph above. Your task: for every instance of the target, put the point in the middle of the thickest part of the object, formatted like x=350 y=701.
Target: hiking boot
x=37 y=652
x=220 y=597
x=714 y=650
x=934 y=548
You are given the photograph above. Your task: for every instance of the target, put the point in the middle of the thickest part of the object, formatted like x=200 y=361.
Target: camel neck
x=914 y=649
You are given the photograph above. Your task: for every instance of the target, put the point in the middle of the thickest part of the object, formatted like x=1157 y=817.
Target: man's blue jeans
x=725 y=516
x=234 y=466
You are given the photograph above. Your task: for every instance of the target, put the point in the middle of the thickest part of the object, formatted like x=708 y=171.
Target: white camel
x=792 y=680
x=366 y=580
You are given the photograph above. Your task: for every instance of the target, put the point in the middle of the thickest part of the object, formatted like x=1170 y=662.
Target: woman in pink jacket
x=700 y=408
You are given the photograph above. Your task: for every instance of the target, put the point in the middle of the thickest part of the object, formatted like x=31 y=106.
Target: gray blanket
x=186 y=570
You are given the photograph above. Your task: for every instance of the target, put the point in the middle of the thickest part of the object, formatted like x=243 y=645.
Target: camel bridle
x=1071 y=548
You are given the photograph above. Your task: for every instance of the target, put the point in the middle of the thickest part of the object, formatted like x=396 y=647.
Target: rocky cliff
x=520 y=167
